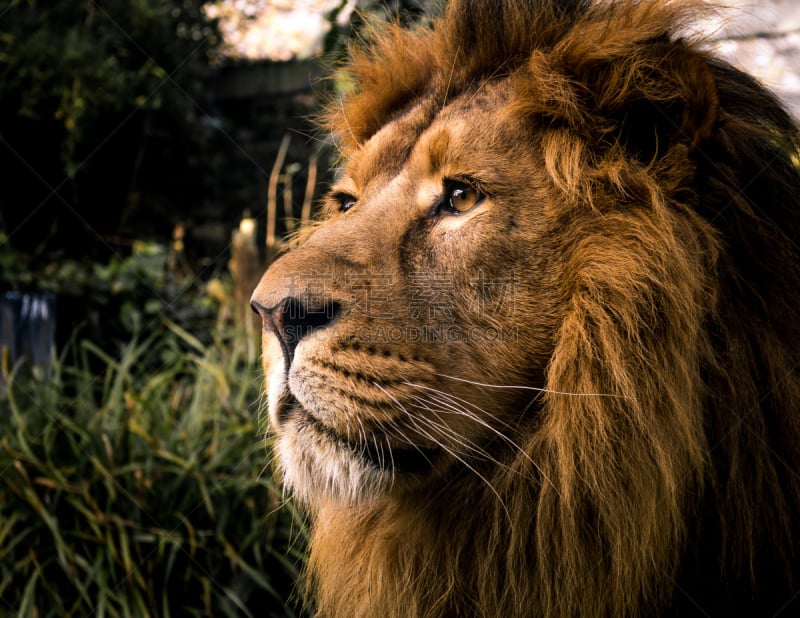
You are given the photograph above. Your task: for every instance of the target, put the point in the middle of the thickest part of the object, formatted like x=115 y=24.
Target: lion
x=540 y=354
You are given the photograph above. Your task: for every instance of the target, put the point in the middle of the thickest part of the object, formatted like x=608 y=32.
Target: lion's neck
x=394 y=559
x=455 y=551
x=449 y=552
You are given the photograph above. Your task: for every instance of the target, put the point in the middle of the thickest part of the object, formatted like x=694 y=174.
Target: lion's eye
x=344 y=200
x=460 y=197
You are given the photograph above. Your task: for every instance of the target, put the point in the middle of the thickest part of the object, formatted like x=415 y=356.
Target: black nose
x=292 y=320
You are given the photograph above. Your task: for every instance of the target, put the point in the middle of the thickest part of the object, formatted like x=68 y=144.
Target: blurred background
x=153 y=154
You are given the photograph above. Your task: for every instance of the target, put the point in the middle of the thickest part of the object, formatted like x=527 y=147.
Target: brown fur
x=644 y=196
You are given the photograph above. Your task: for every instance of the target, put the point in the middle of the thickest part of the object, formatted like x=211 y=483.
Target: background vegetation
x=102 y=121
x=135 y=485
x=135 y=478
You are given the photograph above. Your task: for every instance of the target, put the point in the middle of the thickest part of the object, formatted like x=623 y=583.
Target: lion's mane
x=668 y=482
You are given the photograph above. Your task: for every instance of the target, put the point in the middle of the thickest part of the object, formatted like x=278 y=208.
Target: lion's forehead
x=385 y=153
x=433 y=135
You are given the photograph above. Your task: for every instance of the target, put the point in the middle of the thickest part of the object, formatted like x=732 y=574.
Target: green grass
x=138 y=484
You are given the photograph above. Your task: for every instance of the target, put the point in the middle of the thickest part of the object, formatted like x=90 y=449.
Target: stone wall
x=763 y=38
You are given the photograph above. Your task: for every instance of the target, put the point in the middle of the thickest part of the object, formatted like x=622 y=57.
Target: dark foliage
x=101 y=120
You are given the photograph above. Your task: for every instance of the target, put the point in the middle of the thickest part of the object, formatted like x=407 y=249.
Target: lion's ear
x=625 y=78
x=662 y=95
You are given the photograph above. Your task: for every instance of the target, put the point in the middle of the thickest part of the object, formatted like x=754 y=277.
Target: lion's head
x=540 y=355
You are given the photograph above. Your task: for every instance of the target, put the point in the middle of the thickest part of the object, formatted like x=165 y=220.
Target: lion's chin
x=318 y=464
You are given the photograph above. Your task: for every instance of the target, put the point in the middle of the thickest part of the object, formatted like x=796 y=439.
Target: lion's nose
x=292 y=320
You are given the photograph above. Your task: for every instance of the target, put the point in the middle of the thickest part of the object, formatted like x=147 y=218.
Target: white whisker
x=445 y=448
x=449 y=433
x=529 y=388
x=399 y=406
x=454 y=408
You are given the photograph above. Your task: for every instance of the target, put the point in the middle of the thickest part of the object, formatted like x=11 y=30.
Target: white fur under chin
x=314 y=468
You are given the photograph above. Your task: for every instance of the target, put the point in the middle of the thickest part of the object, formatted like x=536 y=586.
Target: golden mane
x=669 y=480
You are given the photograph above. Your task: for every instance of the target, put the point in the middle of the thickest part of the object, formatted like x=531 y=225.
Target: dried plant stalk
x=272 y=199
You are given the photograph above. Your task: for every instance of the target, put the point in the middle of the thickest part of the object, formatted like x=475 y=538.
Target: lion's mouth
x=376 y=448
